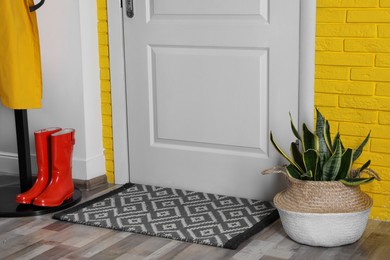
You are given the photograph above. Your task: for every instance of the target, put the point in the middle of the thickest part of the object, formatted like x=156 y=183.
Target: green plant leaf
x=308 y=176
x=359 y=150
x=356 y=181
x=365 y=166
x=335 y=141
x=285 y=155
x=332 y=165
x=346 y=164
x=297 y=155
x=328 y=139
x=293 y=172
x=320 y=122
x=372 y=173
x=294 y=129
x=320 y=132
x=318 y=176
x=311 y=159
x=310 y=140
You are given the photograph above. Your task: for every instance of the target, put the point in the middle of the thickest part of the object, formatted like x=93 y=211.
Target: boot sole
x=67 y=197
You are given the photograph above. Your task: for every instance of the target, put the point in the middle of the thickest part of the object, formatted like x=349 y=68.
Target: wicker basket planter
x=323 y=213
x=323 y=204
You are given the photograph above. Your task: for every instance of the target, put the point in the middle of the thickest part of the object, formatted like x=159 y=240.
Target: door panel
x=209 y=7
x=221 y=88
x=206 y=82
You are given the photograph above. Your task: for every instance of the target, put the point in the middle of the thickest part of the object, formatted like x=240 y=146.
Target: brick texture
x=347 y=3
x=105 y=88
x=384 y=30
x=346 y=59
x=352 y=86
x=384 y=118
x=344 y=87
x=382 y=60
x=379 y=15
x=372 y=45
x=346 y=30
x=326 y=44
x=384 y=3
x=370 y=74
x=331 y=15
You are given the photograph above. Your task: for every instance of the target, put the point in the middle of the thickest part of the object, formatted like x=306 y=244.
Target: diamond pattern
x=184 y=215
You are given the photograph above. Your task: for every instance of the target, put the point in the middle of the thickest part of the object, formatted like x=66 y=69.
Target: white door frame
x=118 y=80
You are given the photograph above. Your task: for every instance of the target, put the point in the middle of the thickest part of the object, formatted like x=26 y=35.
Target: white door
x=206 y=81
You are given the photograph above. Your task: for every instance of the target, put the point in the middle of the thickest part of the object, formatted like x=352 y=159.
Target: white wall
x=71 y=87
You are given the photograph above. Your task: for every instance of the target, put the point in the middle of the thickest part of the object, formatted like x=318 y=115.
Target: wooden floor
x=45 y=238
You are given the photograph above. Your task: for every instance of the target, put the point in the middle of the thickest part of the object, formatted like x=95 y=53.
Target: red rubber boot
x=42 y=149
x=61 y=186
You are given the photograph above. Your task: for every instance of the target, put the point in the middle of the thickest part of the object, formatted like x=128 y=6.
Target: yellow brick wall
x=105 y=88
x=352 y=85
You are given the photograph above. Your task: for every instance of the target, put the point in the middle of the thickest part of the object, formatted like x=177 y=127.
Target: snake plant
x=316 y=157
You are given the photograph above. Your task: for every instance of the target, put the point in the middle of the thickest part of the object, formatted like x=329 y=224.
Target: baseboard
x=9 y=166
x=88 y=185
x=94 y=183
x=9 y=163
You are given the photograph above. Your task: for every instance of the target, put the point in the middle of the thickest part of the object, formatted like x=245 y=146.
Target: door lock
x=129 y=8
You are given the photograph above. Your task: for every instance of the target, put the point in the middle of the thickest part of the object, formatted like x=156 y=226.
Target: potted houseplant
x=323 y=204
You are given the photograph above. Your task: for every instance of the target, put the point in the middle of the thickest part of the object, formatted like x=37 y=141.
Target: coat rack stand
x=8 y=205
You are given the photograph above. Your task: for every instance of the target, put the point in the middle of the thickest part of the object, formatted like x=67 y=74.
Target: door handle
x=129 y=8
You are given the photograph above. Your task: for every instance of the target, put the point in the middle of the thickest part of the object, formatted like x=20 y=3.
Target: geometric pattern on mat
x=190 y=216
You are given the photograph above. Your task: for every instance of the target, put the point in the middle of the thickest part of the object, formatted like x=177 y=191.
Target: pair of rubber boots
x=54 y=184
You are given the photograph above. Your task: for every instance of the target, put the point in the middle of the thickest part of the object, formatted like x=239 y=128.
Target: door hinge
x=121 y=3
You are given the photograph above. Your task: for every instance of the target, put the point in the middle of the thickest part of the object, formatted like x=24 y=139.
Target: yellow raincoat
x=20 y=63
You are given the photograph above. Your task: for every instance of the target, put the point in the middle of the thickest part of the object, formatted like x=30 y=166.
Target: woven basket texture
x=322 y=197
x=322 y=213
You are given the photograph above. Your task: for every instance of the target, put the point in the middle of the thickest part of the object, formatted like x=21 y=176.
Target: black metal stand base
x=9 y=207
x=8 y=193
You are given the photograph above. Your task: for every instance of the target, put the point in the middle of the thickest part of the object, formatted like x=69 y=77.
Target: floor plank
x=42 y=237
x=36 y=249
x=16 y=242
x=98 y=245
